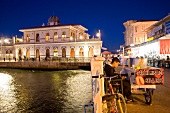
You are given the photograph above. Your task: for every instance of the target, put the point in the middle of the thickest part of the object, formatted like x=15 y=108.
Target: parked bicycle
x=113 y=101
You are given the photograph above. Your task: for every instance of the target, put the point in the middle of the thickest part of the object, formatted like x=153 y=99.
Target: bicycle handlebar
x=101 y=76
x=112 y=77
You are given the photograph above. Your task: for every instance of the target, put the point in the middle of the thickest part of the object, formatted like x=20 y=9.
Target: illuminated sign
x=151 y=38
x=150 y=76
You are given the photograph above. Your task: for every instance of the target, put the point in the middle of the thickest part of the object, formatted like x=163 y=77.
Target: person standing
x=110 y=71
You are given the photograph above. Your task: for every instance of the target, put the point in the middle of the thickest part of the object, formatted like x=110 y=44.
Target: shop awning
x=164 y=46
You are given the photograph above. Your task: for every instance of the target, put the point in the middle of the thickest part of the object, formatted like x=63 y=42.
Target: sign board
x=150 y=76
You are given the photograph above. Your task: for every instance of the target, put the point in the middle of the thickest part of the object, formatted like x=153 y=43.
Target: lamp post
x=3 y=41
x=123 y=54
x=98 y=34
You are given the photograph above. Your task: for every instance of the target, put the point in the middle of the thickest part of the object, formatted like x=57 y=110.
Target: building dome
x=53 y=20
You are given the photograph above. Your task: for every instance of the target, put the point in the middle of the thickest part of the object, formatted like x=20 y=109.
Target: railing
x=158 y=63
x=54 y=59
x=61 y=41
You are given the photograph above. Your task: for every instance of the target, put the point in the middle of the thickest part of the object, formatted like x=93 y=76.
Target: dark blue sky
x=106 y=15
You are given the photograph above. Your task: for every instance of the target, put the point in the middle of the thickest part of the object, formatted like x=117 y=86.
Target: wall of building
x=134 y=31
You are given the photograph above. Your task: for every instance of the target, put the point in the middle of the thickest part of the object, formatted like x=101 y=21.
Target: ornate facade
x=53 y=40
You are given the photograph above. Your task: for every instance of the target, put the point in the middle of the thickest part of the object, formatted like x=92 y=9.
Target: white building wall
x=134 y=31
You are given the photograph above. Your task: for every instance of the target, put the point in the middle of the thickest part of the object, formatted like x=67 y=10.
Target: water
x=24 y=91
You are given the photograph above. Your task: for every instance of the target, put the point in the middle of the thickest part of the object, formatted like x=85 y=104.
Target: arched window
x=7 y=54
x=19 y=53
x=63 y=37
x=28 y=53
x=47 y=53
x=72 y=52
x=55 y=52
x=55 y=36
x=37 y=53
x=81 y=52
x=47 y=38
x=7 y=51
x=10 y=52
x=63 y=52
x=80 y=36
x=28 y=38
x=90 y=52
x=37 y=37
x=74 y=36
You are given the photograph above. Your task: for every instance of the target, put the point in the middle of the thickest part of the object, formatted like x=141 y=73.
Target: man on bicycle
x=110 y=71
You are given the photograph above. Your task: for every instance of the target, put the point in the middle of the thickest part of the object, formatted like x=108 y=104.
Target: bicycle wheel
x=109 y=104
x=148 y=96
x=121 y=103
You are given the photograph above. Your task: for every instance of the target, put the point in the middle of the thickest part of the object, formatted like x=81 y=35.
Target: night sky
x=106 y=15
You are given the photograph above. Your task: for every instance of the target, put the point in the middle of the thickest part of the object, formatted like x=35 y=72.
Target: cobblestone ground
x=161 y=99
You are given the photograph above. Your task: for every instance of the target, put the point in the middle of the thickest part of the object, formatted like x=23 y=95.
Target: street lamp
x=1 y=48
x=3 y=41
x=98 y=34
x=123 y=54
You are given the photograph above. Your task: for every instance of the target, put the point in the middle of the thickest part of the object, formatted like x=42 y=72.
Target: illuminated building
x=56 y=40
x=157 y=44
x=158 y=35
x=134 y=34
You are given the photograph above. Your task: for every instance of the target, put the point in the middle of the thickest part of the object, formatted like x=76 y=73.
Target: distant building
x=134 y=34
x=53 y=40
x=134 y=31
x=156 y=40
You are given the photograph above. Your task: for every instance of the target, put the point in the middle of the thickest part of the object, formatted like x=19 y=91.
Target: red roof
x=106 y=52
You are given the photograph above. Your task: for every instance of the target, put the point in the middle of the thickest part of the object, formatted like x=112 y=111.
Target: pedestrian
x=167 y=62
x=167 y=58
x=110 y=71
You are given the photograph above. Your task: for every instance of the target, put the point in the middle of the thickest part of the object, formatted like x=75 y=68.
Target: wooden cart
x=145 y=79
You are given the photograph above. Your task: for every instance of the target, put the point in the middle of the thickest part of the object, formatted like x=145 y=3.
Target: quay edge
x=46 y=65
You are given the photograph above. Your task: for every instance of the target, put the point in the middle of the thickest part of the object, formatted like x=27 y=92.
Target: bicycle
x=113 y=102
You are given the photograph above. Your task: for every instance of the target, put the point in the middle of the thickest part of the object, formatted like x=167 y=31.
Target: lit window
x=55 y=36
x=28 y=38
x=81 y=36
x=63 y=36
x=71 y=37
x=47 y=38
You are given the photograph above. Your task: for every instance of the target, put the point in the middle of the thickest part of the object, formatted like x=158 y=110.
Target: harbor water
x=32 y=91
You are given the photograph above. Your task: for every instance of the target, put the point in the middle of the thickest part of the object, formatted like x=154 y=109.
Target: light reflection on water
x=24 y=91
x=7 y=93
